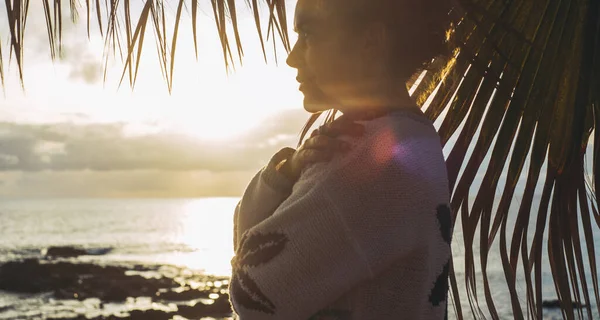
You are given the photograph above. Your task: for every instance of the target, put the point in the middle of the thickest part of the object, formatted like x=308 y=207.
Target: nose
x=294 y=59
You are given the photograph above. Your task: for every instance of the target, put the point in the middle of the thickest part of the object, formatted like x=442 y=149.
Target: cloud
x=87 y=69
x=8 y=160
x=84 y=64
x=124 y=184
x=107 y=147
x=105 y=160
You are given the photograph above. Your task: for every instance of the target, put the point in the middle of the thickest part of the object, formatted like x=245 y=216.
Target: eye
x=304 y=35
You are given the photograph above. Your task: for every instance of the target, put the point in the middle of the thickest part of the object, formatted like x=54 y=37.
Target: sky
x=69 y=133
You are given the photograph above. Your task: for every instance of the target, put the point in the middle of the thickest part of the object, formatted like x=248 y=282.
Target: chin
x=315 y=107
x=317 y=102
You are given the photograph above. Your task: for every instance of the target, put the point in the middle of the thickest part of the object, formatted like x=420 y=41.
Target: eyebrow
x=302 y=23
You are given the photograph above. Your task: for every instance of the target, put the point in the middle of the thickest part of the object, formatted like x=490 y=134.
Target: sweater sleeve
x=265 y=192
x=331 y=235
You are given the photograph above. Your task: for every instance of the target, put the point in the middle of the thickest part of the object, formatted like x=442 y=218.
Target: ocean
x=195 y=234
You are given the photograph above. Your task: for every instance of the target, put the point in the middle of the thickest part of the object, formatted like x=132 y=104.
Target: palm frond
x=521 y=95
x=540 y=108
x=113 y=18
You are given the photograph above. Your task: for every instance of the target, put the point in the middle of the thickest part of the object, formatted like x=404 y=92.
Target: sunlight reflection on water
x=210 y=233
x=196 y=233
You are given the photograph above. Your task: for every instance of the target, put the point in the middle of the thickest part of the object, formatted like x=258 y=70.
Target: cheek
x=331 y=65
x=317 y=62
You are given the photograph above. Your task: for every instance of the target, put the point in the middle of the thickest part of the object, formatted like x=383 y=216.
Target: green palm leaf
x=526 y=100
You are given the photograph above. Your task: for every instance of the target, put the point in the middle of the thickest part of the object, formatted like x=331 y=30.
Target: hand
x=321 y=146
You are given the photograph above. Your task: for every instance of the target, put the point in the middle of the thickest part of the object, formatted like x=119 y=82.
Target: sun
x=222 y=115
x=211 y=105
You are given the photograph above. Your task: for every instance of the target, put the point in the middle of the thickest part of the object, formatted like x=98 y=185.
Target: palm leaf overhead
x=525 y=106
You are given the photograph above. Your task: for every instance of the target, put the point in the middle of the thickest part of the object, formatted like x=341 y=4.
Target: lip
x=303 y=87
x=304 y=83
x=303 y=80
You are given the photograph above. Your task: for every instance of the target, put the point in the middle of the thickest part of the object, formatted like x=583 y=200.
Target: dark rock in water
x=72 y=252
x=183 y=295
x=150 y=315
x=25 y=277
x=133 y=315
x=220 y=307
x=63 y=252
x=551 y=304
x=80 y=281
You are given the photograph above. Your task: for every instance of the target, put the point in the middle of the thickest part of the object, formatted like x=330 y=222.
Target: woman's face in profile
x=330 y=56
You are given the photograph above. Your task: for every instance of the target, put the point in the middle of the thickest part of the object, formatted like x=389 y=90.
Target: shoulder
x=400 y=143
x=399 y=139
x=397 y=152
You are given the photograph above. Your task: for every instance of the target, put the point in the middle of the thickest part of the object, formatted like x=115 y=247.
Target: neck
x=378 y=96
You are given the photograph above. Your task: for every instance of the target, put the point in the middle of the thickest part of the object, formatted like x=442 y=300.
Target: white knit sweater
x=364 y=236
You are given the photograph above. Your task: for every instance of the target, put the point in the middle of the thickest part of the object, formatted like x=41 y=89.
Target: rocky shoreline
x=172 y=291
x=73 y=288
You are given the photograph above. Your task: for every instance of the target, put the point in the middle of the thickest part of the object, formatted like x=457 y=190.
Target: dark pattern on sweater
x=444 y=217
x=248 y=294
x=439 y=292
x=254 y=249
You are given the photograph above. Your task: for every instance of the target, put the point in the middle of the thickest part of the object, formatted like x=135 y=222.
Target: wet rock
x=183 y=294
x=132 y=315
x=78 y=280
x=150 y=315
x=5 y=308
x=28 y=277
x=219 y=308
x=63 y=252
x=72 y=251
x=68 y=280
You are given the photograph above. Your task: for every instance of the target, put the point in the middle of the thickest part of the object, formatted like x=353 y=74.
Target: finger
x=339 y=128
x=314 y=133
x=323 y=142
x=318 y=142
x=310 y=156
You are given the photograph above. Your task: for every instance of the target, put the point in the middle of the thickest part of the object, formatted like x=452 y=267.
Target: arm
x=273 y=184
x=266 y=191
x=331 y=235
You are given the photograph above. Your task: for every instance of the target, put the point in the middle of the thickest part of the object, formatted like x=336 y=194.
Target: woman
x=355 y=223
